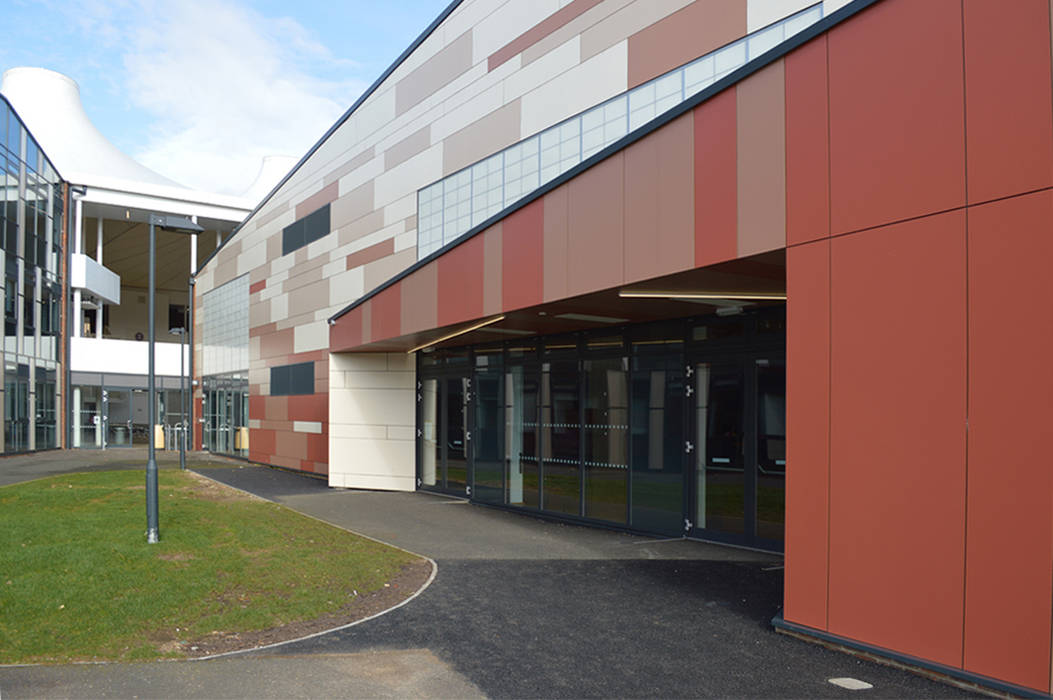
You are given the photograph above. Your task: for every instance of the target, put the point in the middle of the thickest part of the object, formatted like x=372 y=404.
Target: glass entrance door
x=739 y=408
x=117 y=405
x=443 y=460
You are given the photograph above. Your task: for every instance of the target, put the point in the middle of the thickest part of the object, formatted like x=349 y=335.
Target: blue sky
x=201 y=90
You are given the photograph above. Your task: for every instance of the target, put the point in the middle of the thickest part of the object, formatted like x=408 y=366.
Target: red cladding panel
x=716 y=180
x=808 y=432
x=309 y=407
x=461 y=282
x=317 y=448
x=807 y=144
x=261 y=442
x=1010 y=528
x=346 y=333
x=897 y=449
x=1008 y=117
x=522 y=253
x=387 y=313
x=896 y=113
x=257 y=407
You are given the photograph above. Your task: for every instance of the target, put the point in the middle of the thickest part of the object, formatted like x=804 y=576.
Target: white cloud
x=224 y=86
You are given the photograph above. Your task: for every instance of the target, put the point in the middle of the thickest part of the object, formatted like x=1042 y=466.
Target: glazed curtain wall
x=919 y=212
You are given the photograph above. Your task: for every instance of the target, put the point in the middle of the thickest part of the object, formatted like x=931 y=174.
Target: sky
x=201 y=90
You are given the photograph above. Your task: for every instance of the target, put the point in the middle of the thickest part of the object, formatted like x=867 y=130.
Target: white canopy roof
x=49 y=103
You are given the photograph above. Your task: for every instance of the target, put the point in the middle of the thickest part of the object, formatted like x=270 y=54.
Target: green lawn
x=78 y=581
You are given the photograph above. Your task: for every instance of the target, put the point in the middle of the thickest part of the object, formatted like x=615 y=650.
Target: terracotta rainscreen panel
x=420 y=308
x=807 y=144
x=387 y=313
x=596 y=227
x=896 y=113
x=897 y=449
x=659 y=202
x=555 y=244
x=346 y=333
x=522 y=256
x=761 y=135
x=1008 y=118
x=1010 y=526
x=808 y=432
x=492 y=269
x=716 y=190
x=461 y=282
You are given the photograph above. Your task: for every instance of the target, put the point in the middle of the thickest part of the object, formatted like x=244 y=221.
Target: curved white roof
x=49 y=104
x=272 y=170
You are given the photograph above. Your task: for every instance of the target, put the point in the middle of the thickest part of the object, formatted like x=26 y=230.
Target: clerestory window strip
x=451 y=206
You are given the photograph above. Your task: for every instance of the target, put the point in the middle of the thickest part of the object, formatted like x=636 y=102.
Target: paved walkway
x=520 y=608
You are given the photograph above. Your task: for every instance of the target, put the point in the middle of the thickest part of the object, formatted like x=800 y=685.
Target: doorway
x=739 y=446
x=444 y=418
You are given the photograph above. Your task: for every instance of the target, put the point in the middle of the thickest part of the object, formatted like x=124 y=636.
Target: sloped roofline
x=339 y=122
x=732 y=78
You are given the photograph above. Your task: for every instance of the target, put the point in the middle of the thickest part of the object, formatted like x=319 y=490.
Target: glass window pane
x=560 y=436
x=606 y=433
x=718 y=450
x=521 y=444
x=771 y=449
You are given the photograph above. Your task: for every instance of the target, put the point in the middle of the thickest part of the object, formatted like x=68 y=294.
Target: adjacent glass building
x=225 y=365
x=31 y=225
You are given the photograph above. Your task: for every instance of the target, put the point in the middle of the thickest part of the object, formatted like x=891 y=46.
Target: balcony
x=94 y=279
x=125 y=356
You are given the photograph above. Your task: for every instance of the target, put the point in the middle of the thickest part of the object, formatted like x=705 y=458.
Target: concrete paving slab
x=374 y=674
x=18 y=468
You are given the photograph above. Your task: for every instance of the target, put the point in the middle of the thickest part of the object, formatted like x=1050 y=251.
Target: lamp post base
x=151 y=536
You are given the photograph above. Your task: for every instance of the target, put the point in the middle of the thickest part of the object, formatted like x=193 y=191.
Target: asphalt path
x=523 y=607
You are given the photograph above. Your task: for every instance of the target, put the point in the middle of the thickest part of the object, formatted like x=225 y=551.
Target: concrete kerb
x=238 y=652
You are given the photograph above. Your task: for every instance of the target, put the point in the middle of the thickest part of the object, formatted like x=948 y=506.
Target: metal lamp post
x=178 y=224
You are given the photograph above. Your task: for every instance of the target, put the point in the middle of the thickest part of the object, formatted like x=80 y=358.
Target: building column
x=78 y=247
x=98 y=259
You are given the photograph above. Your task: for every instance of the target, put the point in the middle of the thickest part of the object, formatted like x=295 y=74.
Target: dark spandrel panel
x=279 y=381
x=288 y=380
x=306 y=230
x=301 y=380
x=292 y=237
x=316 y=225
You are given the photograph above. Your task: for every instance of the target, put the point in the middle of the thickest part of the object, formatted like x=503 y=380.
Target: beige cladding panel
x=578 y=25
x=351 y=206
x=761 y=150
x=482 y=138
x=309 y=298
x=370 y=223
x=350 y=166
x=408 y=147
x=273 y=211
x=379 y=272
x=684 y=35
x=447 y=64
x=628 y=20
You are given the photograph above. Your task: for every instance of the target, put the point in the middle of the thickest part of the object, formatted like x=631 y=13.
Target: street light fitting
x=178 y=224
